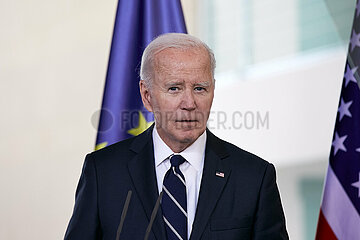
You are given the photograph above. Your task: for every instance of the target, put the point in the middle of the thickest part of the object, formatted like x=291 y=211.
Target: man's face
x=180 y=96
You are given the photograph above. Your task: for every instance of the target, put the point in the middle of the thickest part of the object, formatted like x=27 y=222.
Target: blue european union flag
x=137 y=23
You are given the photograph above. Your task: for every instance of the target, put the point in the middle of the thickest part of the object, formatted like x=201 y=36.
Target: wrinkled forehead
x=173 y=48
x=188 y=58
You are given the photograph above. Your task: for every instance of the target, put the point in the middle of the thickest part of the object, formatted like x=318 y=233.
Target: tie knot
x=176 y=160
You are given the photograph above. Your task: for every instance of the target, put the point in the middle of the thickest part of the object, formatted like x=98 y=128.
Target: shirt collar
x=194 y=154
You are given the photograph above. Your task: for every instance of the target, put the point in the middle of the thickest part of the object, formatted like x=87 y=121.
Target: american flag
x=220 y=174
x=340 y=208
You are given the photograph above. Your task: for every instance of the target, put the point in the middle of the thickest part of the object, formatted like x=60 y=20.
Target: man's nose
x=188 y=100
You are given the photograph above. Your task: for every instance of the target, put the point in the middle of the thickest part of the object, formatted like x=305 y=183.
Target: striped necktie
x=173 y=205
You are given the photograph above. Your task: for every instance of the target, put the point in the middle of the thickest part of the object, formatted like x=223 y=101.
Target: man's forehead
x=174 y=53
x=176 y=59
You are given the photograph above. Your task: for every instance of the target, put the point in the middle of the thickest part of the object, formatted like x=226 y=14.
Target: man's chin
x=188 y=140
x=189 y=136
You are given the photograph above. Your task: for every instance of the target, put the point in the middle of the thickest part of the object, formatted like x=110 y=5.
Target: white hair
x=170 y=40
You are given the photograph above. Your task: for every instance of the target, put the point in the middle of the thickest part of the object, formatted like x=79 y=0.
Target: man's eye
x=199 y=89
x=173 y=89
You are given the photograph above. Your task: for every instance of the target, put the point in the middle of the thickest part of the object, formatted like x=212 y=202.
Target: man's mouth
x=186 y=120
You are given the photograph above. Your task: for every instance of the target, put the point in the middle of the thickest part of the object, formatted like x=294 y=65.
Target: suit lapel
x=211 y=184
x=142 y=172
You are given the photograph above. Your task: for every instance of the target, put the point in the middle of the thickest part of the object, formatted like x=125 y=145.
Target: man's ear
x=145 y=95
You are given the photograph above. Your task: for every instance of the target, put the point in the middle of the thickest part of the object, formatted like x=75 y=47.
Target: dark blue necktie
x=173 y=202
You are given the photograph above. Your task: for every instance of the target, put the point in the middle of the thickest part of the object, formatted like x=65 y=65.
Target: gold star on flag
x=143 y=125
x=100 y=146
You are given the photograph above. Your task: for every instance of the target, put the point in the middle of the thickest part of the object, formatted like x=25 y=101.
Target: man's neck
x=176 y=146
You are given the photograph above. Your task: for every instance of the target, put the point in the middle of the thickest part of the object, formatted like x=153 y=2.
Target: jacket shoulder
x=227 y=150
x=244 y=154
x=237 y=159
x=121 y=146
x=125 y=148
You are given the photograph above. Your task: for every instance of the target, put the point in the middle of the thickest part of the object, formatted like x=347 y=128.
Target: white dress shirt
x=192 y=169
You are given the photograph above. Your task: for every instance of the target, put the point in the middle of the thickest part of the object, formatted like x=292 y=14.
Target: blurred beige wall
x=53 y=59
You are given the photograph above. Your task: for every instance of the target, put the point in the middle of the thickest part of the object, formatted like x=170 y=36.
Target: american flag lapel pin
x=220 y=174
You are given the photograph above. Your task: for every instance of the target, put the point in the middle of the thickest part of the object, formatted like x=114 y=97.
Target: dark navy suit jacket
x=244 y=204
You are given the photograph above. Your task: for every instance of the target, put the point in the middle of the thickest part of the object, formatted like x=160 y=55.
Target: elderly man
x=209 y=189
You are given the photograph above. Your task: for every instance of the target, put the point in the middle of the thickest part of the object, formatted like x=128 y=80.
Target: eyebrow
x=203 y=84
x=177 y=83
x=174 y=83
